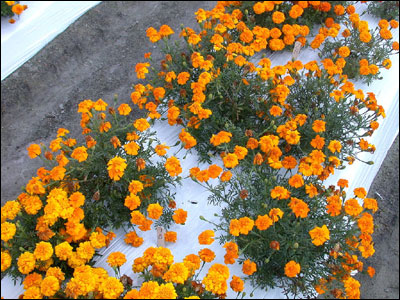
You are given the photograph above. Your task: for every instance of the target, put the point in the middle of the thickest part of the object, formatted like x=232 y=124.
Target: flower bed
x=271 y=178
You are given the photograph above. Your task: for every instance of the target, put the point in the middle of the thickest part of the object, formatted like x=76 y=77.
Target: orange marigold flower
x=245 y=225
x=206 y=237
x=263 y=222
x=116 y=168
x=34 y=150
x=111 y=288
x=296 y=11
x=220 y=138
x=170 y=236
x=280 y=192
x=344 y=51
x=318 y=126
x=131 y=238
x=116 y=259
x=161 y=149
x=370 y=203
x=226 y=176
x=124 y=109
x=214 y=171
x=360 y=192
x=206 y=255
x=173 y=166
x=183 y=78
x=278 y=17
x=104 y=127
x=352 y=207
x=8 y=231
x=352 y=288
x=296 y=181
x=230 y=160
x=319 y=235
x=141 y=70
x=165 y=30
x=318 y=142
x=299 y=207
x=259 y=8
x=292 y=268
x=289 y=162
x=237 y=284
x=275 y=111
x=371 y=271
x=17 y=9
x=334 y=205
x=180 y=216
x=275 y=214
x=249 y=267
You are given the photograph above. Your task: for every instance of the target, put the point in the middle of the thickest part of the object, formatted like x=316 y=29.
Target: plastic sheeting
x=34 y=28
x=358 y=174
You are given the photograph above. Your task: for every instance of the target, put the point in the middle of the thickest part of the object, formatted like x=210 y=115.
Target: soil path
x=95 y=58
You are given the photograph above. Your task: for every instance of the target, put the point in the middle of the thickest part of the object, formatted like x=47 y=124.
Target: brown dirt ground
x=95 y=58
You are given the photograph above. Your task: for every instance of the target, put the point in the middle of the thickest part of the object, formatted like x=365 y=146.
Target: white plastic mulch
x=358 y=174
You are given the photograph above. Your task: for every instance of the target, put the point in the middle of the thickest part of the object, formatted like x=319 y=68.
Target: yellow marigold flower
x=26 y=262
x=10 y=210
x=249 y=267
x=173 y=166
x=177 y=273
x=7 y=231
x=292 y=268
x=161 y=149
x=43 y=251
x=85 y=250
x=318 y=126
x=63 y=251
x=116 y=259
x=124 y=109
x=206 y=255
x=100 y=105
x=155 y=211
x=319 y=235
x=116 y=168
x=80 y=153
x=352 y=207
x=132 y=148
x=335 y=146
x=111 y=288
x=98 y=240
x=166 y=291
x=49 y=286
x=275 y=214
x=240 y=152
x=206 y=237
x=5 y=260
x=135 y=186
x=237 y=284
x=215 y=280
x=230 y=160
x=34 y=150
x=56 y=272
x=299 y=207
x=141 y=124
x=180 y=216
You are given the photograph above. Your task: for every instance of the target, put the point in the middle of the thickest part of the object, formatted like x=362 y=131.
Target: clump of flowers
x=310 y=234
x=366 y=50
x=117 y=178
x=11 y=8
